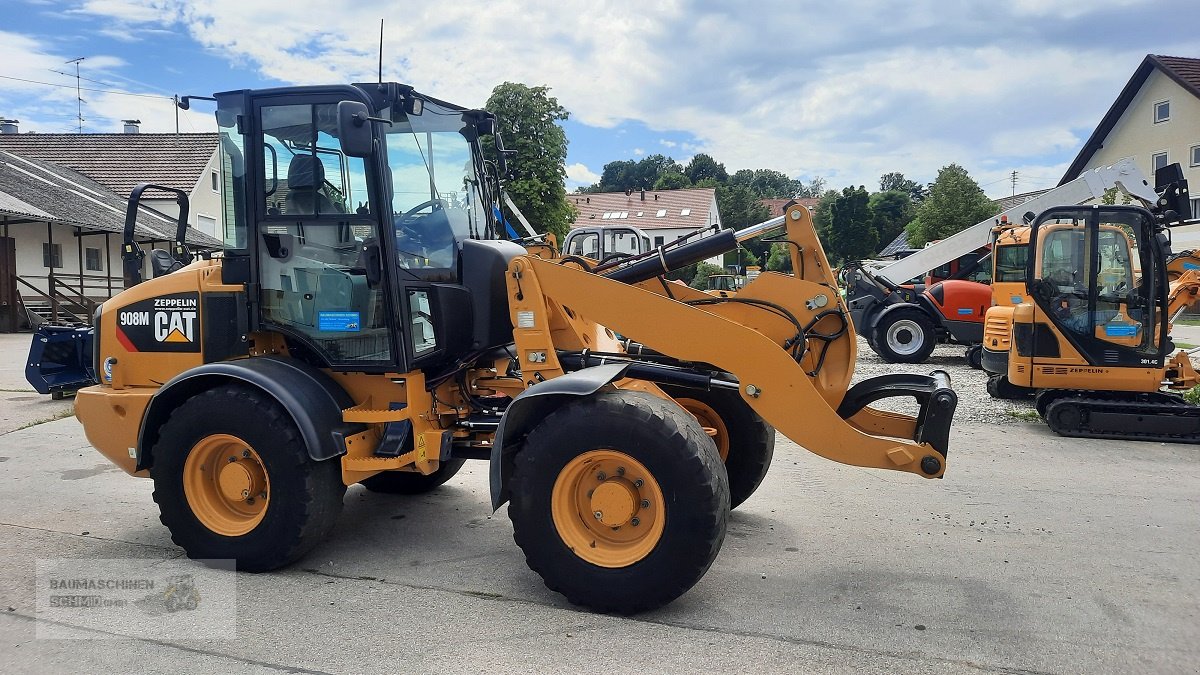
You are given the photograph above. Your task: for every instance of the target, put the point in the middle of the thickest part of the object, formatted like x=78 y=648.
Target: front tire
x=974 y=356
x=904 y=336
x=745 y=442
x=619 y=501
x=233 y=480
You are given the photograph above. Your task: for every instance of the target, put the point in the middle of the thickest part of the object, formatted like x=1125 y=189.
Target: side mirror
x=355 y=132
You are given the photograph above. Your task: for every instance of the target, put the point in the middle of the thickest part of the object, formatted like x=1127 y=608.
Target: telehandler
x=365 y=323
x=1093 y=339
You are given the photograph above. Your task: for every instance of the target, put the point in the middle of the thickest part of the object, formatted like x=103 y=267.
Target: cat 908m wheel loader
x=365 y=323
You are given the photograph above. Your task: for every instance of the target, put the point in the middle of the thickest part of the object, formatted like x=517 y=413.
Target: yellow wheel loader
x=367 y=323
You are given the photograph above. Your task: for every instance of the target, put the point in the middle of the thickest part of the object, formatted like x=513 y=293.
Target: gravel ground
x=974 y=404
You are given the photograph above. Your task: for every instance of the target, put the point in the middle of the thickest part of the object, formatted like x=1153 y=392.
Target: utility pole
x=176 y=99
x=78 y=96
x=1014 y=183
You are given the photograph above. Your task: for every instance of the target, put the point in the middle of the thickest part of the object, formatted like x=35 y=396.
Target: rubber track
x=1166 y=406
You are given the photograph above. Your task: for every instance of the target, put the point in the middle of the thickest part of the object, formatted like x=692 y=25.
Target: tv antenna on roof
x=381 y=51
x=78 y=97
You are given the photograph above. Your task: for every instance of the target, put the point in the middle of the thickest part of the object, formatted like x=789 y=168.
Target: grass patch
x=1184 y=345
x=1192 y=395
x=1187 y=321
x=1025 y=415
x=60 y=415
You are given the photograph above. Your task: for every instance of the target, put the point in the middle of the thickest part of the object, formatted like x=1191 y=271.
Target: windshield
x=1010 y=262
x=436 y=186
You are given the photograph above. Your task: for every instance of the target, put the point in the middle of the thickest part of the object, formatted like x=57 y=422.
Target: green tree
x=895 y=181
x=528 y=119
x=767 y=183
x=624 y=175
x=704 y=270
x=890 y=212
x=955 y=202
x=672 y=180
x=843 y=222
x=813 y=190
x=780 y=258
x=738 y=206
x=704 y=167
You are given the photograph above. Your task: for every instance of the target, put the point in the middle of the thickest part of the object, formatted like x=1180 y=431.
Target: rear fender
x=311 y=398
x=530 y=408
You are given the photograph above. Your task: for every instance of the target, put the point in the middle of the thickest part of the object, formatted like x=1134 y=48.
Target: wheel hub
x=608 y=508
x=226 y=485
x=614 y=502
x=902 y=337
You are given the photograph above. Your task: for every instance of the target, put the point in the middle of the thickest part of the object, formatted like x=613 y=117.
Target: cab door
x=1094 y=275
x=316 y=217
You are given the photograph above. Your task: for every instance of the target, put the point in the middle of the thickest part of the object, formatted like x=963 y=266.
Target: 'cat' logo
x=166 y=323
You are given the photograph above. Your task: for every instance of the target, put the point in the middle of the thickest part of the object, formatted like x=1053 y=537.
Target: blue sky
x=845 y=90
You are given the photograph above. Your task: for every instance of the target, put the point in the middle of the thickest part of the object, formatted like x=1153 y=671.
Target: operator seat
x=305 y=178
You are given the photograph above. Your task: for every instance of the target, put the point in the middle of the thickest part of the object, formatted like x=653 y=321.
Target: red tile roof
x=775 y=206
x=121 y=161
x=642 y=208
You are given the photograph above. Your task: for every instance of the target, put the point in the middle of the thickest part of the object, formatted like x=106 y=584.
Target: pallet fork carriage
x=368 y=323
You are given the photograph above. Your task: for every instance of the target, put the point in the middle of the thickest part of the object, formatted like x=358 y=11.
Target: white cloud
x=846 y=90
x=638 y=152
x=578 y=175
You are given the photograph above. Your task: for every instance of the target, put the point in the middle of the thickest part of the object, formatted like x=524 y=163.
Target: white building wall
x=1136 y=135
x=29 y=238
x=204 y=203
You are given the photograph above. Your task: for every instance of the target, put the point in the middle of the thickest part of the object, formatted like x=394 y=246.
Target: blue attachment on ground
x=60 y=360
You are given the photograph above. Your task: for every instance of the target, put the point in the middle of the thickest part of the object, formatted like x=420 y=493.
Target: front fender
x=532 y=406
x=312 y=399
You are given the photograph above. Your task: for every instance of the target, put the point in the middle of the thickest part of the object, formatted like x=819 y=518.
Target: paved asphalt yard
x=1035 y=554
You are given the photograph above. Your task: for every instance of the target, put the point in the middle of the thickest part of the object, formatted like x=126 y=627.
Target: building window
x=1195 y=155
x=206 y=224
x=1157 y=161
x=216 y=182
x=685 y=212
x=1196 y=207
x=51 y=255
x=92 y=260
x=661 y=213
x=1162 y=111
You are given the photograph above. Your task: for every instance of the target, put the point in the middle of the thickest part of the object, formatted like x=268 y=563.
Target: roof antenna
x=381 y=51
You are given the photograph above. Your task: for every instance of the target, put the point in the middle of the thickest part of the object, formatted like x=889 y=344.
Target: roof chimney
x=643 y=195
x=132 y=126
x=8 y=126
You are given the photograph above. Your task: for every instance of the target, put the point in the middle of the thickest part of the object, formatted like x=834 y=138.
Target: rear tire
x=411 y=482
x=745 y=442
x=619 y=501
x=998 y=386
x=904 y=336
x=199 y=498
x=974 y=356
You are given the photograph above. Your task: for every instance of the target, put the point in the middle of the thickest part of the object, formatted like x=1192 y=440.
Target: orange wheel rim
x=226 y=485
x=608 y=508
x=710 y=421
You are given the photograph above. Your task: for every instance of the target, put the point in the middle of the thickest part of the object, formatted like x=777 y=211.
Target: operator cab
x=1086 y=276
x=361 y=220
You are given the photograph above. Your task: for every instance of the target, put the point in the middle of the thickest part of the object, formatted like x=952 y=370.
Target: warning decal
x=168 y=323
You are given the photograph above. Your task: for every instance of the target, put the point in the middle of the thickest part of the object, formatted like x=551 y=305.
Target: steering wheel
x=402 y=221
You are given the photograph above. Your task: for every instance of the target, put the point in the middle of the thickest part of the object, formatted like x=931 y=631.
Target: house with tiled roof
x=60 y=241
x=187 y=162
x=1155 y=120
x=775 y=206
x=664 y=215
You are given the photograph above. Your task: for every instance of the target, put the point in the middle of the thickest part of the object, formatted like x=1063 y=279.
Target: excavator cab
x=1097 y=278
